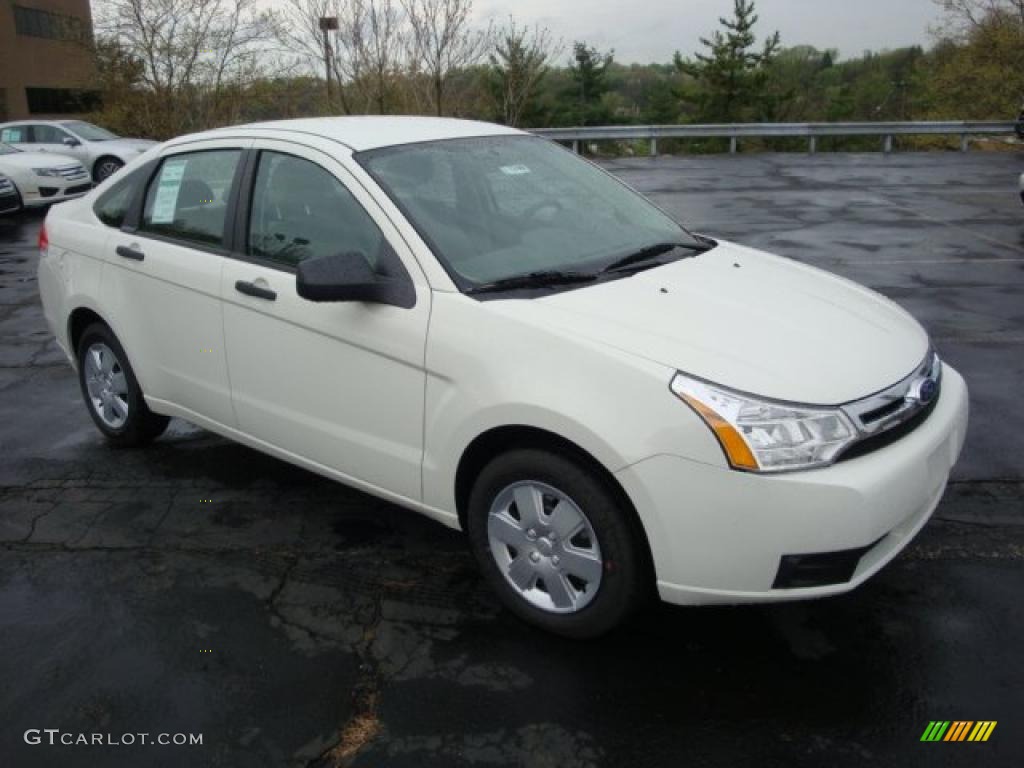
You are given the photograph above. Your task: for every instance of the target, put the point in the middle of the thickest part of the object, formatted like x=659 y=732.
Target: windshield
x=7 y=149
x=502 y=206
x=88 y=131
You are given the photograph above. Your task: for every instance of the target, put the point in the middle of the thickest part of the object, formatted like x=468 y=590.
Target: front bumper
x=53 y=191
x=720 y=536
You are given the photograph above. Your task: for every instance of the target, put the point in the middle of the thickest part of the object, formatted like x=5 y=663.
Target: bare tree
x=194 y=54
x=517 y=66
x=963 y=15
x=364 y=53
x=442 y=41
x=381 y=41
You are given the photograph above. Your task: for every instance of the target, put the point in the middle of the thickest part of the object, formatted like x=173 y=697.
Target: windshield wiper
x=534 y=280
x=652 y=252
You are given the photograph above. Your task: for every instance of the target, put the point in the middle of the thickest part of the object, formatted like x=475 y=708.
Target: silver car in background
x=100 y=151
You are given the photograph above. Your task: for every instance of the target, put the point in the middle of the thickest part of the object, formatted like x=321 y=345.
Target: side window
x=15 y=134
x=188 y=197
x=112 y=206
x=47 y=134
x=300 y=211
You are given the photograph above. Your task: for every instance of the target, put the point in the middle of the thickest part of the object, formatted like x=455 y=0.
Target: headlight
x=765 y=436
x=46 y=172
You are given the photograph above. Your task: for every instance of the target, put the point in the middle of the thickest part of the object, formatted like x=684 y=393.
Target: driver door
x=338 y=384
x=50 y=138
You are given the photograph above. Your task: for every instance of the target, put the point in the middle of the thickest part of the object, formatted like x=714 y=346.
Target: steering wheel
x=551 y=203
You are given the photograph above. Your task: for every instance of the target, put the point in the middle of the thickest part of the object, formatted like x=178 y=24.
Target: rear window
x=188 y=198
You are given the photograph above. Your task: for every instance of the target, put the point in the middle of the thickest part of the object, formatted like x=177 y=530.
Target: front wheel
x=106 y=167
x=112 y=393
x=555 y=544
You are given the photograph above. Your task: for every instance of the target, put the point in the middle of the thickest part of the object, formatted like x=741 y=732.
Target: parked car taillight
x=44 y=241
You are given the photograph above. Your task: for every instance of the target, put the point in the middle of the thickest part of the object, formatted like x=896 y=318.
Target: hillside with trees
x=173 y=66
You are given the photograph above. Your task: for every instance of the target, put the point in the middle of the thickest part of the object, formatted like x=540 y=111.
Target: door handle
x=251 y=289
x=128 y=252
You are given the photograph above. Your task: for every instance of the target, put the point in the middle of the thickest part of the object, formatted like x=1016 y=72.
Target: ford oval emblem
x=923 y=391
x=927 y=391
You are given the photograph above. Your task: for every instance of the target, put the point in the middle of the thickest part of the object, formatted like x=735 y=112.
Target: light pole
x=328 y=24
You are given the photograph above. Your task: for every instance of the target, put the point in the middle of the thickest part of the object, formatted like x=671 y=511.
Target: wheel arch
x=497 y=440
x=81 y=318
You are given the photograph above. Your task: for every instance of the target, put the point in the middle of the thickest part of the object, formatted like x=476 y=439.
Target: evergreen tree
x=730 y=73
x=589 y=70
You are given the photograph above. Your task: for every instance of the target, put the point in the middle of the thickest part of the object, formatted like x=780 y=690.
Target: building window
x=33 y=22
x=65 y=101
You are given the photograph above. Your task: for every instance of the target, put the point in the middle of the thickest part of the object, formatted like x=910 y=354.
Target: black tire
x=141 y=425
x=624 y=583
x=105 y=167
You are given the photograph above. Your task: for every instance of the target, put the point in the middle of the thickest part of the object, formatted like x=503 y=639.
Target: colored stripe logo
x=958 y=730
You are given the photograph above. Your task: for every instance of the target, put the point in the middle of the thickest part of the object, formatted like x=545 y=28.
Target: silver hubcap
x=545 y=547
x=107 y=169
x=107 y=386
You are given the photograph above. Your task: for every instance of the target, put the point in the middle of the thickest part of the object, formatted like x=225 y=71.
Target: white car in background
x=41 y=178
x=479 y=325
x=100 y=151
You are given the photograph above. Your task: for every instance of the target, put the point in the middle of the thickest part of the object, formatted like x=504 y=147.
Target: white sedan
x=478 y=325
x=42 y=178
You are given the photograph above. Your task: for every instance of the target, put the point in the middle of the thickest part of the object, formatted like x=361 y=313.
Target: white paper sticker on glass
x=167 y=191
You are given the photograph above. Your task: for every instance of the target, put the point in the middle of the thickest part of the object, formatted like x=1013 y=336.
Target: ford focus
x=478 y=325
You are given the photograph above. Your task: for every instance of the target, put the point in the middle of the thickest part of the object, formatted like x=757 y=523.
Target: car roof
x=373 y=131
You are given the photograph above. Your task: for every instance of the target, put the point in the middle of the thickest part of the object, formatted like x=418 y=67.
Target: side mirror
x=70 y=141
x=348 y=277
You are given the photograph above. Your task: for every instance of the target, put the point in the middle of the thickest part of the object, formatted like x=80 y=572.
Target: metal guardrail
x=811 y=131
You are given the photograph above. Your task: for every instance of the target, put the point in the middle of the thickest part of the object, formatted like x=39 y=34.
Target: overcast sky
x=651 y=30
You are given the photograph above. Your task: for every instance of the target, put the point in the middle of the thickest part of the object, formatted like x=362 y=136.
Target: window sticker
x=514 y=170
x=167 y=191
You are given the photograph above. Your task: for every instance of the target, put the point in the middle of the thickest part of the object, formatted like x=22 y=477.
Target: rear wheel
x=555 y=543
x=112 y=393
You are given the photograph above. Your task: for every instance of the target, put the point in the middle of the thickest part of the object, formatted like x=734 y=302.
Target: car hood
x=29 y=160
x=747 y=320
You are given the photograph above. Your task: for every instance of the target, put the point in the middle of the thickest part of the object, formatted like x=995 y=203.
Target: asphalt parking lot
x=200 y=587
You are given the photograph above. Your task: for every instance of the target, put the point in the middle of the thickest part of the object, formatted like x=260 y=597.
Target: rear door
x=163 y=281
x=339 y=384
x=15 y=135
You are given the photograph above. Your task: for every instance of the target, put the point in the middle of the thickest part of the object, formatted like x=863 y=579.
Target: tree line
x=167 y=67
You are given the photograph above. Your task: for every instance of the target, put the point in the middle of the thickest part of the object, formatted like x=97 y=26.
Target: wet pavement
x=200 y=587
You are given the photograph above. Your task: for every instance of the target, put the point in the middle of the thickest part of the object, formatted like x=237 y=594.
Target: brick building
x=46 y=69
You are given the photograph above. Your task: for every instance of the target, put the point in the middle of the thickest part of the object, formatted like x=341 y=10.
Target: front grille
x=819 y=569
x=74 y=172
x=8 y=202
x=885 y=417
x=891 y=435
x=81 y=189
x=48 y=191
